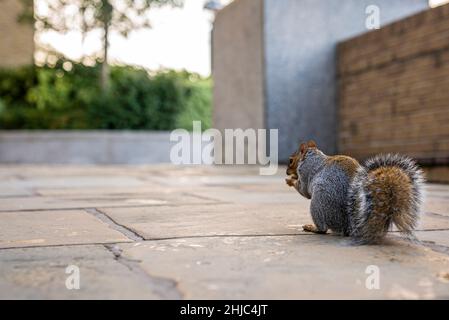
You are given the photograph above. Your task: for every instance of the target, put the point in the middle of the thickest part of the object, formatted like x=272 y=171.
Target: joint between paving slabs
x=435 y=247
x=202 y=197
x=165 y=288
x=439 y=215
x=129 y=233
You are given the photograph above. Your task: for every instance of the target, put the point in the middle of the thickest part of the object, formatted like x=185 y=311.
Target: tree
x=85 y=16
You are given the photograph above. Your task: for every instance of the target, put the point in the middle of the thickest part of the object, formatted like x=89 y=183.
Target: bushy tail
x=386 y=190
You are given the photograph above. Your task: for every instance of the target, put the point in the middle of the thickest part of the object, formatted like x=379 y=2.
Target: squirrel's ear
x=302 y=147
x=311 y=144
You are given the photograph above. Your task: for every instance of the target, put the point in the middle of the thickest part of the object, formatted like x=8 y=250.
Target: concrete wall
x=84 y=147
x=237 y=66
x=300 y=41
x=394 y=93
x=16 y=40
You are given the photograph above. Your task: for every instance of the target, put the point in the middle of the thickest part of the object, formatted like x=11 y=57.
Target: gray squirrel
x=360 y=201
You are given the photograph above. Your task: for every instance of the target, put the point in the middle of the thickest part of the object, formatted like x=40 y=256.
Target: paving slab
x=434 y=188
x=6 y=192
x=45 y=228
x=210 y=232
x=198 y=220
x=72 y=181
x=248 y=196
x=92 y=201
x=205 y=170
x=146 y=190
x=433 y=221
x=40 y=273
x=293 y=267
x=439 y=238
x=437 y=205
x=161 y=222
x=217 y=180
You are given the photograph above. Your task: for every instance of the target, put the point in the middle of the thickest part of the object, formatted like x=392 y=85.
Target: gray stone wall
x=237 y=66
x=300 y=43
x=277 y=69
x=84 y=147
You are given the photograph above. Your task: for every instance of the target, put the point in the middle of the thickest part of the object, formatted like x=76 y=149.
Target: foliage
x=69 y=97
x=86 y=16
x=121 y=16
x=198 y=105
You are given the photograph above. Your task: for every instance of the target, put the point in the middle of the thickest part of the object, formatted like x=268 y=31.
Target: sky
x=434 y=3
x=179 y=39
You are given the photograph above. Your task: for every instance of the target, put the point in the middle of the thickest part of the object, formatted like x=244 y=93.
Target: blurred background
x=104 y=81
x=96 y=64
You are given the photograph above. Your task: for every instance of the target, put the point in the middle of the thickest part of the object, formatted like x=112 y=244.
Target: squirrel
x=359 y=201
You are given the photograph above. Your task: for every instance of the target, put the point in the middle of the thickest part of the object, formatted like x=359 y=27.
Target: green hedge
x=53 y=98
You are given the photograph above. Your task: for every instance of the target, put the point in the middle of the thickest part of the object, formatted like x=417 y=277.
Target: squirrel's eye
x=291 y=160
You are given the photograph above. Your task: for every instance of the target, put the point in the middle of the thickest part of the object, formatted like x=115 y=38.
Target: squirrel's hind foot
x=312 y=228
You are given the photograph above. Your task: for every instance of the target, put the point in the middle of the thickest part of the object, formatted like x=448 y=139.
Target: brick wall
x=394 y=89
x=16 y=40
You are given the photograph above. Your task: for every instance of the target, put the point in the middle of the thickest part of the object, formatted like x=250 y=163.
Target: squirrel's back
x=386 y=190
x=347 y=164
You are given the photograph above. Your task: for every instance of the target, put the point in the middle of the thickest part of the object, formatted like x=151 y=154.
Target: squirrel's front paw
x=291 y=182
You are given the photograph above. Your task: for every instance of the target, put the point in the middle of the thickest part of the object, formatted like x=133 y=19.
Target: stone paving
x=166 y=232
